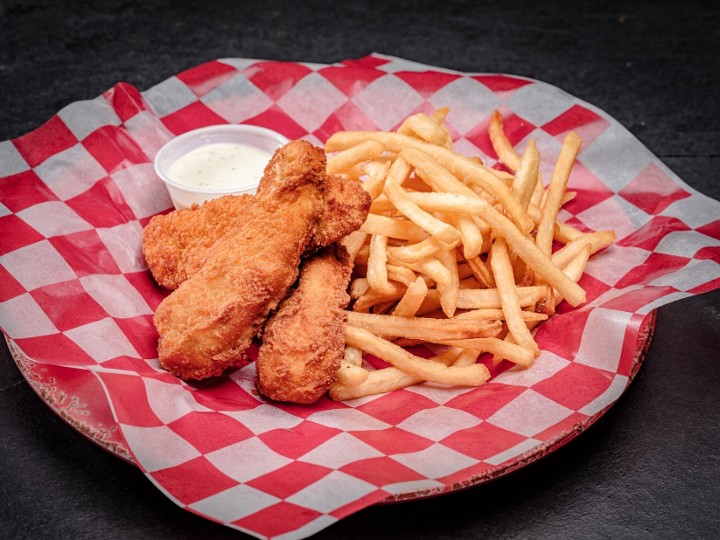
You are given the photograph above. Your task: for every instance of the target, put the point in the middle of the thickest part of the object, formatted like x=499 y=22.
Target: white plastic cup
x=184 y=196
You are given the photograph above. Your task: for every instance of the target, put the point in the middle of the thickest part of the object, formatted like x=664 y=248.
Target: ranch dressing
x=220 y=166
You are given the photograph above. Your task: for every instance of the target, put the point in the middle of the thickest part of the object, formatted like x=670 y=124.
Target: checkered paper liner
x=76 y=299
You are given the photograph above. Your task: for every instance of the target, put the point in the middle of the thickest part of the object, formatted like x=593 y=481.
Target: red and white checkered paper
x=76 y=299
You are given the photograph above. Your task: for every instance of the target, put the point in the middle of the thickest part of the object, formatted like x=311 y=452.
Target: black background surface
x=649 y=468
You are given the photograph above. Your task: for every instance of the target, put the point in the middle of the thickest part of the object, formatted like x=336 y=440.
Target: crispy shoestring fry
x=453 y=254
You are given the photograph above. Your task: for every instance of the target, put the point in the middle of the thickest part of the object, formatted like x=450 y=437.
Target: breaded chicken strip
x=303 y=341
x=207 y=323
x=176 y=244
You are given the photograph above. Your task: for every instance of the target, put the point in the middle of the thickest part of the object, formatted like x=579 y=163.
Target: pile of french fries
x=453 y=254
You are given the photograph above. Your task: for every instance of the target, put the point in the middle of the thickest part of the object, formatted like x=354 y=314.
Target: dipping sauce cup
x=213 y=161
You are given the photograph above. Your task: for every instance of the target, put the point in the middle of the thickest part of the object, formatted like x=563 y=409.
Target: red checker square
x=347 y=117
x=515 y=127
x=126 y=101
x=278 y=120
x=482 y=441
x=371 y=498
x=393 y=440
x=652 y=190
x=132 y=364
x=369 y=61
x=565 y=430
x=206 y=77
x=68 y=305
x=151 y=292
x=586 y=123
x=381 y=471
x=55 y=349
x=632 y=300
x=113 y=148
x=590 y=190
x=9 y=286
x=102 y=205
x=711 y=229
x=593 y=289
x=277 y=519
x=562 y=334
x=501 y=83
x=465 y=477
x=349 y=80
x=300 y=440
x=86 y=253
x=210 y=431
x=486 y=400
x=706 y=287
x=708 y=253
x=427 y=83
x=276 y=78
x=656 y=265
x=175 y=480
x=193 y=116
x=303 y=411
x=226 y=395
x=25 y=189
x=649 y=235
x=141 y=333
x=49 y=139
x=575 y=385
x=129 y=398
x=634 y=339
x=16 y=234
x=288 y=480
x=396 y=406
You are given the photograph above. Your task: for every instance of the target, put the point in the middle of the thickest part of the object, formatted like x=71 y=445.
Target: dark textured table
x=649 y=468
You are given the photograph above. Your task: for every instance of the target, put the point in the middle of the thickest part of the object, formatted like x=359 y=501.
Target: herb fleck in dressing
x=220 y=166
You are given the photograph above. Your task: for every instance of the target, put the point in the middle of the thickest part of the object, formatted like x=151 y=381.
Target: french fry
x=423 y=328
x=412 y=299
x=347 y=159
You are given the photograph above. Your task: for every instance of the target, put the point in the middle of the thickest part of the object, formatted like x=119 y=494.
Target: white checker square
x=615 y=157
x=602 y=347
x=691 y=275
x=143 y=191
x=4 y=210
x=247 y=459
x=437 y=393
x=545 y=366
x=148 y=132
x=264 y=418
x=614 y=213
x=331 y=492
x=37 y=265
x=529 y=413
x=124 y=244
x=169 y=96
x=612 y=264
x=470 y=102
x=116 y=295
x=524 y=102
x=667 y=299
x=70 y=172
x=340 y=450
x=170 y=401
x=102 y=340
x=21 y=317
x=84 y=117
x=348 y=419
x=436 y=461
x=437 y=423
x=11 y=161
x=158 y=447
x=53 y=218
x=609 y=396
x=311 y=100
x=237 y=99
x=239 y=63
x=515 y=451
x=389 y=100
x=234 y=503
x=685 y=243
x=696 y=210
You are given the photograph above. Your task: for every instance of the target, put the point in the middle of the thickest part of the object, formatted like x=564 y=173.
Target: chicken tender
x=207 y=324
x=176 y=244
x=303 y=341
